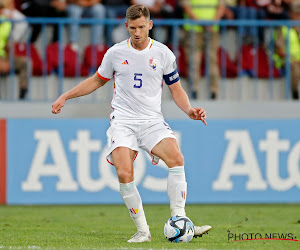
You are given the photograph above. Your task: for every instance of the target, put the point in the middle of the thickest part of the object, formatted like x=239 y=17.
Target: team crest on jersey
x=153 y=63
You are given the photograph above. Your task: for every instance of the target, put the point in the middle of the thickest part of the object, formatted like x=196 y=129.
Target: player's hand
x=198 y=114
x=58 y=104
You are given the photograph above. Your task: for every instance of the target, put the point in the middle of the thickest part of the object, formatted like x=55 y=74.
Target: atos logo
x=273 y=148
x=49 y=141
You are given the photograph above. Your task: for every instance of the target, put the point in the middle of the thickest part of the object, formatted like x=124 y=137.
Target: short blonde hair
x=136 y=11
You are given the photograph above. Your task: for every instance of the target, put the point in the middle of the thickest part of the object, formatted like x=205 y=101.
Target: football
x=179 y=229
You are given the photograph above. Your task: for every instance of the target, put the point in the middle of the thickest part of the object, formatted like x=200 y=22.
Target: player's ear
x=150 y=25
x=126 y=25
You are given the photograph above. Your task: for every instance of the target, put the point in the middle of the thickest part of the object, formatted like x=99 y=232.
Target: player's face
x=139 y=31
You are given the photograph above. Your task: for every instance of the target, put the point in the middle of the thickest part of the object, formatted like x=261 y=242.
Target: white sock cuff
x=125 y=187
x=176 y=170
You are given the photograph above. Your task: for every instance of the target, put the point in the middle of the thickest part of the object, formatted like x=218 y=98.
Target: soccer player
x=139 y=65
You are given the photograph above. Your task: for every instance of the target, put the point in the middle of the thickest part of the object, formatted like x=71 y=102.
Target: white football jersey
x=138 y=77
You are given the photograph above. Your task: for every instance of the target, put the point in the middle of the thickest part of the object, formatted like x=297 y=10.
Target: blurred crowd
x=101 y=35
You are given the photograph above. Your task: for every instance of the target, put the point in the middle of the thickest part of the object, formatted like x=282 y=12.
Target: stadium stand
x=241 y=61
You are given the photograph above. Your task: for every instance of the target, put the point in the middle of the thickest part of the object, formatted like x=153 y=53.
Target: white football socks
x=133 y=202
x=177 y=188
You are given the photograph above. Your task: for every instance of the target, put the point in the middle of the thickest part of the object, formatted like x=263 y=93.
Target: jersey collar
x=140 y=51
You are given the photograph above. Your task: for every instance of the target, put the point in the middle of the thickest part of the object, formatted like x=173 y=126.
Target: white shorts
x=145 y=135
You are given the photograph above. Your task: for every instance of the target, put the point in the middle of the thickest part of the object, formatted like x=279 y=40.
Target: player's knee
x=125 y=176
x=176 y=160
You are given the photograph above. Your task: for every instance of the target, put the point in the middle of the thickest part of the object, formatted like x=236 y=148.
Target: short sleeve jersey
x=138 y=77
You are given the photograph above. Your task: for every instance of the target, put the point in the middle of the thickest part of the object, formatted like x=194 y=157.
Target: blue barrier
x=176 y=25
x=234 y=161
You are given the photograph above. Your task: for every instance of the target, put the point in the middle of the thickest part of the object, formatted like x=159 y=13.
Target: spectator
x=237 y=9
x=256 y=10
x=203 y=10
x=20 y=63
x=43 y=8
x=295 y=9
x=114 y=9
x=171 y=9
x=19 y=28
x=275 y=9
x=86 y=8
x=293 y=35
x=231 y=10
x=269 y=9
x=253 y=10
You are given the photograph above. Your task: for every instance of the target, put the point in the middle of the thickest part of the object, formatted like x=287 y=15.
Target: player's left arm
x=182 y=101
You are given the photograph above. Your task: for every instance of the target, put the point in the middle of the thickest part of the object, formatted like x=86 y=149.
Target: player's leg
x=168 y=150
x=123 y=158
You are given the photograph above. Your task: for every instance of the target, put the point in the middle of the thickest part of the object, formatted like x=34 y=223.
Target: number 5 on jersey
x=137 y=78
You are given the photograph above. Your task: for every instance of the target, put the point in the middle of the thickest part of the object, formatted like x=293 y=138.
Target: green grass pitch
x=109 y=226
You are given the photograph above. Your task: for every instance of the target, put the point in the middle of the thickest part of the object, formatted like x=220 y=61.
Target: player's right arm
x=84 y=88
